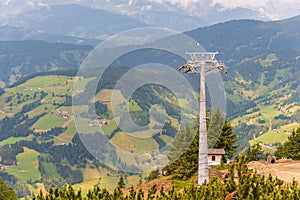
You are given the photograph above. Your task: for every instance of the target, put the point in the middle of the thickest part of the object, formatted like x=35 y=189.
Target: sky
x=269 y=9
x=272 y=9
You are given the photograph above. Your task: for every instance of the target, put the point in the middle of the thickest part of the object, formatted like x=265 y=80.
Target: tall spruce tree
x=184 y=154
x=182 y=141
x=227 y=140
x=215 y=127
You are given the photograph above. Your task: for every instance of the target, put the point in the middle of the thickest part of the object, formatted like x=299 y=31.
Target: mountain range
x=146 y=12
x=74 y=20
x=261 y=57
x=16 y=33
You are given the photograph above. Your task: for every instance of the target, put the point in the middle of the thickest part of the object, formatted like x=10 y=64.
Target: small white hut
x=215 y=156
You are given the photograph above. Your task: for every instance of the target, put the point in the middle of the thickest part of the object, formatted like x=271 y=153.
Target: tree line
x=241 y=183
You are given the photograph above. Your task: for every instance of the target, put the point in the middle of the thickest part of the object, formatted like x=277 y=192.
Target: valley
x=43 y=133
x=46 y=99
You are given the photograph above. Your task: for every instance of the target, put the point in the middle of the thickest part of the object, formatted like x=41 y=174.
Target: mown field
x=27 y=166
x=54 y=89
x=57 y=87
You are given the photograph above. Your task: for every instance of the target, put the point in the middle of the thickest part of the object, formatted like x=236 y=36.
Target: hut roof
x=216 y=152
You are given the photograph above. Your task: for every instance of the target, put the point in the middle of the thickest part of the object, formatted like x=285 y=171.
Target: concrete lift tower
x=202 y=62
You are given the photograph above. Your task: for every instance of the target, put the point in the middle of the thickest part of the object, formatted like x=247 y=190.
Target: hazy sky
x=271 y=9
x=274 y=9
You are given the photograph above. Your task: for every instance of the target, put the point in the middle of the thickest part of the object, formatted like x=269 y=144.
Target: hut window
x=213 y=158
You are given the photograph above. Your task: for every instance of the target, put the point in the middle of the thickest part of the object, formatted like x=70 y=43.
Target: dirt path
x=270 y=120
x=285 y=170
x=68 y=122
x=5 y=113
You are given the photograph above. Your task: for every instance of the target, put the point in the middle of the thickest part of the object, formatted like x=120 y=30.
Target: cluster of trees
x=6 y=192
x=236 y=109
x=186 y=144
x=20 y=189
x=160 y=142
x=17 y=126
x=42 y=56
x=291 y=148
x=246 y=133
x=8 y=153
x=241 y=183
x=63 y=157
x=49 y=134
x=1 y=91
x=146 y=96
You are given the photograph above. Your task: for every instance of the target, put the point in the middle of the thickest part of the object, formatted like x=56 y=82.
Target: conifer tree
x=186 y=165
x=184 y=154
x=182 y=141
x=215 y=127
x=227 y=140
x=121 y=183
x=253 y=152
x=6 y=192
x=291 y=148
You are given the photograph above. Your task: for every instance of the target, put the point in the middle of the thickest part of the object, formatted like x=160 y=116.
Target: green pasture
x=44 y=81
x=49 y=121
x=66 y=137
x=27 y=167
x=270 y=111
x=291 y=126
x=130 y=143
x=167 y=139
x=13 y=140
x=271 y=137
x=80 y=83
x=268 y=61
x=108 y=129
x=51 y=171
x=41 y=109
x=108 y=182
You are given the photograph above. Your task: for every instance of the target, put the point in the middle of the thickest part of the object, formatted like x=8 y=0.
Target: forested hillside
x=22 y=58
x=40 y=145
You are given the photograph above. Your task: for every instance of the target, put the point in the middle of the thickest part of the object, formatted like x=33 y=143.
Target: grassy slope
x=51 y=171
x=13 y=140
x=269 y=108
x=130 y=143
x=27 y=167
x=49 y=121
x=60 y=86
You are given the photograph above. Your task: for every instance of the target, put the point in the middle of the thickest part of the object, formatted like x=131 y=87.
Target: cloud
x=267 y=9
x=6 y=3
x=183 y=3
x=272 y=9
x=232 y=4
